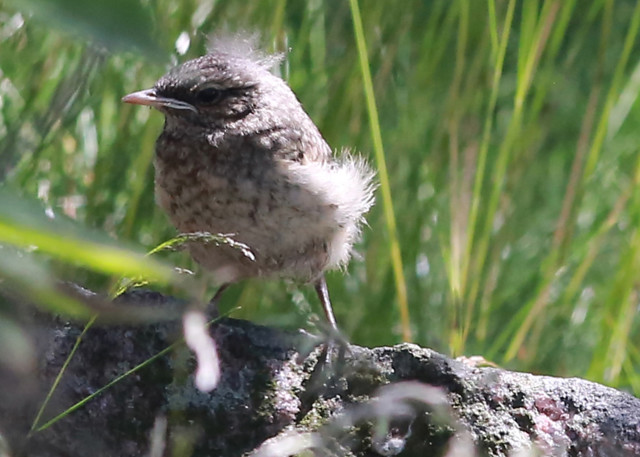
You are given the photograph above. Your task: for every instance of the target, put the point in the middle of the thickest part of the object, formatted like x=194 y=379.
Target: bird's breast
x=250 y=195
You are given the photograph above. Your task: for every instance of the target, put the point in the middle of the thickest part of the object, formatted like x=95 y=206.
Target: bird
x=239 y=155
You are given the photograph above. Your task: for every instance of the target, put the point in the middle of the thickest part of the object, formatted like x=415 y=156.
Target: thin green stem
x=88 y=398
x=486 y=139
x=56 y=382
x=612 y=95
x=385 y=188
x=85 y=400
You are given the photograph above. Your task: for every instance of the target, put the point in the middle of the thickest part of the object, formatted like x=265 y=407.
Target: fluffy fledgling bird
x=239 y=155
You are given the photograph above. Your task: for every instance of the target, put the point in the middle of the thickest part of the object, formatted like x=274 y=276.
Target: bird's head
x=215 y=89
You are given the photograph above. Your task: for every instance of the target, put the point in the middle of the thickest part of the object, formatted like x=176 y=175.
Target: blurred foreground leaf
x=22 y=275
x=117 y=24
x=24 y=224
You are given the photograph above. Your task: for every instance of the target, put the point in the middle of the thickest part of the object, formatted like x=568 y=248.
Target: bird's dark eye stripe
x=214 y=95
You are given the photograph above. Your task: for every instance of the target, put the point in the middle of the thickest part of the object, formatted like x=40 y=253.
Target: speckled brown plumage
x=238 y=155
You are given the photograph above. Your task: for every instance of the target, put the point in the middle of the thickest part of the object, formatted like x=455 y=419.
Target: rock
x=276 y=396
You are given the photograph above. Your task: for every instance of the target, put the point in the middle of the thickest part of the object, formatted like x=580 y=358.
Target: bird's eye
x=208 y=95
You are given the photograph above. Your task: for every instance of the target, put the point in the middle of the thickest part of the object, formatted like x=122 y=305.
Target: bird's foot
x=327 y=377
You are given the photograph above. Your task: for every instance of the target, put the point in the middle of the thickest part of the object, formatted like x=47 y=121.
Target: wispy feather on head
x=244 y=44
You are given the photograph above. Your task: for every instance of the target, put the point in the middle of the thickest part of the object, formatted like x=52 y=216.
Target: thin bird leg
x=325 y=374
x=323 y=294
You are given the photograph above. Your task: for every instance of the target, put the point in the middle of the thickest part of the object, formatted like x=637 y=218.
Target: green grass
x=507 y=220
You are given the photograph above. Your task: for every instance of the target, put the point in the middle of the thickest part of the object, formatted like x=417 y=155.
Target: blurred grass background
x=510 y=136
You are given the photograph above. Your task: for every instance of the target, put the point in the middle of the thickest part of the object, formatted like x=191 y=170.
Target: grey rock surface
x=275 y=396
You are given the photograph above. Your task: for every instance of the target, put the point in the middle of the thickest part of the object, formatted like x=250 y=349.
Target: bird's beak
x=149 y=97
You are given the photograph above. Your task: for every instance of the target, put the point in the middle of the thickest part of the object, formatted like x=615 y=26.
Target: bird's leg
x=213 y=303
x=326 y=375
x=334 y=336
x=323 y=294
